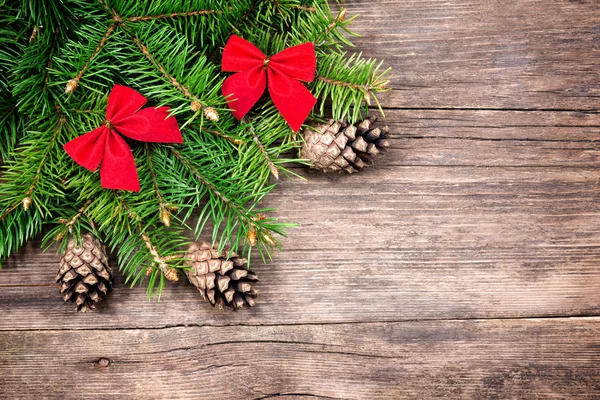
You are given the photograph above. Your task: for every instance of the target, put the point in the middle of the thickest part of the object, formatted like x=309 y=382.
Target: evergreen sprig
x=59 y=60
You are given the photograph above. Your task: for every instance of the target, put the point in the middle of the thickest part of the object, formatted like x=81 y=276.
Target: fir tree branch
x=70 y=222
x=310 y=9
x=62 y=121
x=230 y=204
x=158 y=65
x=162 y=262
x=244 y=17
x=73 y=83
x=300 y=7
x=196 y=104
x=377 y=86
x=163 y=212
x=45 y=152
x=274 y=170
x=173 y=15
x=336 y=22
x=233 y=140
x=350 y=82
x=105 y=5
x=66 y=227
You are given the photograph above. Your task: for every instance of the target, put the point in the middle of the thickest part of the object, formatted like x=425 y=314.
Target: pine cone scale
x=337 y=146
x=84 y=272
x=221 y=278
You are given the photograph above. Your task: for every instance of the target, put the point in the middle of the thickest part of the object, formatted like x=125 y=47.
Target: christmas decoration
x=103 y=144
x=222 y=277
x=283 y=71
x=337 y=146
x=84 y=273
x=74 y=76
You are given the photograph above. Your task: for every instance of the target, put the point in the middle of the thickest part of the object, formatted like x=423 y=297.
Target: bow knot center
x=108 y=124
x=266 y=62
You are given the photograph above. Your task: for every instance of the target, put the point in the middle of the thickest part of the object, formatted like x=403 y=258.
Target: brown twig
x=26 y=201
x=168 y=272
x=33 y=34
x=232 y=139
x=209 y=185
x=243 y=17
x=274 y=170
x=103 y=2
x=296 y=7
x=304 y=8
x=173 y=15
x=196 y=104
x=162 y=262
x=367 y=88
x=73 y=83
x=69 y=223
x=165 y=215
x=338 y=19
x=165 y=74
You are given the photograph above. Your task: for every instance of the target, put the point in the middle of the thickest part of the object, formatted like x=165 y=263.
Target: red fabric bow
x=283 y=70
x=104 y=144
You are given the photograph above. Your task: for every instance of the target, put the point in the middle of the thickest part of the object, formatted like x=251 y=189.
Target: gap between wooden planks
x=554 y=358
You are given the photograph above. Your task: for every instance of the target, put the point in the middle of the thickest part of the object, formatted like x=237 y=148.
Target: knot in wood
x=103 y=362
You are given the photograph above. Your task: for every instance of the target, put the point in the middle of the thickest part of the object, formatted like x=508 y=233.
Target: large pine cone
x=84 y=273
x=337 y=146
x=221 y=278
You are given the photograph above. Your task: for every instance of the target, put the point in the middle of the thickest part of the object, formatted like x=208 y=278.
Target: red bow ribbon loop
x=283 y=71
x=105 y=145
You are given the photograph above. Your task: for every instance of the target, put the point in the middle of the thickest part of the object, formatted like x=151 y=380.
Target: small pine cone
x=337 y=146
x=223 y=279
x=84 y=274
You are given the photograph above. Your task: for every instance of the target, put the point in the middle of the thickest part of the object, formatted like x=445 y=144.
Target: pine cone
x=84 y=273
x=337 y=146
x=221 y=278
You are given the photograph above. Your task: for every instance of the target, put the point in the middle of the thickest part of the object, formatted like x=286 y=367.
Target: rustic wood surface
x=465 y=265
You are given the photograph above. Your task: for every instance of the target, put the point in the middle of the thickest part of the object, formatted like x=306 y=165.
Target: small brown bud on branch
x=165 y=217
x=26 y=203
x=211 y=114
x=195 y=106
x=72 y=85
x=269 y=239
x=171 y=274
x=252 y=236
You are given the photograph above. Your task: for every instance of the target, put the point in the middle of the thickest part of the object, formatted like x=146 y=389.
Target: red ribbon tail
x=293 y=100
x=87 y=150
x=244 y=89
x=118 y=166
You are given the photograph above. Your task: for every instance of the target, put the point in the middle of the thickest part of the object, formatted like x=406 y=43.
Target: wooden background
x=465 y=265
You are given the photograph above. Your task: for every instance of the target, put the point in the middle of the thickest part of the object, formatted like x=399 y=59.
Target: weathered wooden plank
x=386 y=245
x=493 y=138
x=531 y=54
x=554 y=358
x=433 y=240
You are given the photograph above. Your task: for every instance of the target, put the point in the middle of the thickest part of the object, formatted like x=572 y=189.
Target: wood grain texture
x=464 y=265
x=523 y=54
x=517 y=359
x=460 y=227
